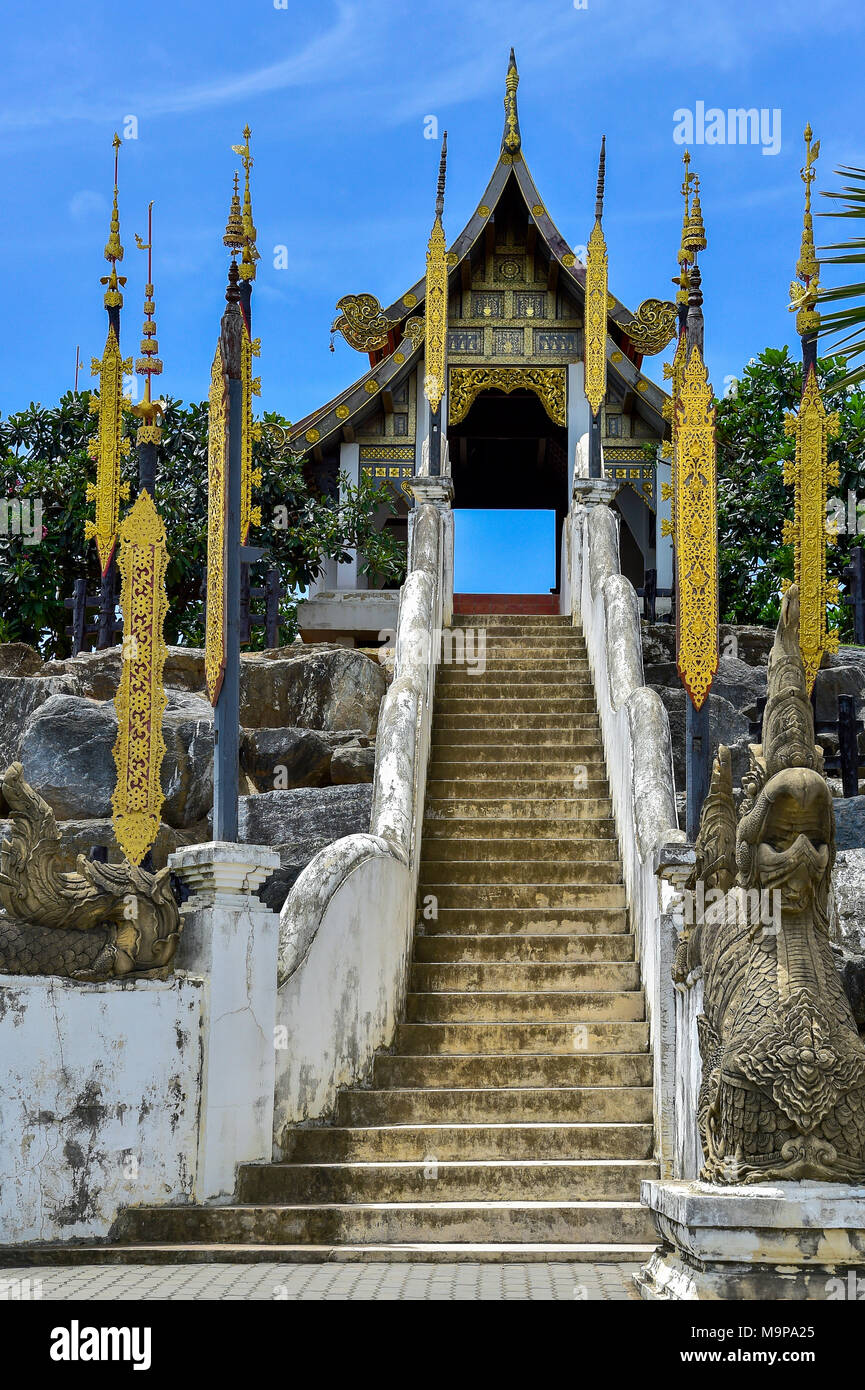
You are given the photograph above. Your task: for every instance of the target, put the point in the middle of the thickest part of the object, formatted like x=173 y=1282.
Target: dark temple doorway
x=507 y=453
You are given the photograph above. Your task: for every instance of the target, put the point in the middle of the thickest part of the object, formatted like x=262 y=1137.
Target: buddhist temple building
x=514 y=411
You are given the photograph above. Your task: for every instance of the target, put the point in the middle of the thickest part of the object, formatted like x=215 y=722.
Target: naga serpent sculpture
x=99 y=922
x=783 y=1084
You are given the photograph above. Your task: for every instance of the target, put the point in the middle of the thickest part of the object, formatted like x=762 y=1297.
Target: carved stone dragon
x=99 y=922
x=783 y=1085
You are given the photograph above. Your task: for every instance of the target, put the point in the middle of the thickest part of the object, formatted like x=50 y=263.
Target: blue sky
x=336 y=95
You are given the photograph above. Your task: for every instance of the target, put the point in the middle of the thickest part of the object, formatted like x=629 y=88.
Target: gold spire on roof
x=695 y=237
x=684 y=257
x=113 y=248
x=436 y=296
x=235 y=236
x=250 y=253
x=597 y=300
x=511 y=138
x=803 y=297
x=149 y=364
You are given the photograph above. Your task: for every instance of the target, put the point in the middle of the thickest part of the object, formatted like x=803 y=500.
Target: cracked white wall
x=99 y=1101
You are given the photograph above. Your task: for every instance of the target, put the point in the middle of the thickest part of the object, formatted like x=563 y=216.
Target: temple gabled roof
x=399 y=340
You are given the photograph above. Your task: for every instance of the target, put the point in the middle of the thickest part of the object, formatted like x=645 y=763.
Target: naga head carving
x=783 y=1089
x=129 y=913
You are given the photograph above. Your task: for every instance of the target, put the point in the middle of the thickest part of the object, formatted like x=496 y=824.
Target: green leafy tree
x=44 y=455
x=753 y=500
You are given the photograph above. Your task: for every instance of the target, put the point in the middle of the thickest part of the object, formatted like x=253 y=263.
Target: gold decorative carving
x=109 y=448
x=249 y=477
x=98 y=922
x=483 y=210
x=653 y=326
x=596 y=319
x=362 y=323
x=409 y=300
x=414 y=330
x=140 y=701
x=783 y=1085
x=696 y=531
x=436 y=315
x=810 y=473
x=217 y=512
x=569 y=259
x=548 y=383
x=342 y=412
x=370 y=387
x=312 y=436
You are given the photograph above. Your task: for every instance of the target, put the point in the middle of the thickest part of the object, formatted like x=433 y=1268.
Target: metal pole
x=227 y=716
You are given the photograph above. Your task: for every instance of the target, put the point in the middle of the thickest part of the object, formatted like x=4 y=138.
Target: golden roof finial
x=113 y=249
x=684 y=256
x=511 y=138
x=234 y=236
x=803 y=297
x=149 y=364
x=250 y=252
x=695 y=237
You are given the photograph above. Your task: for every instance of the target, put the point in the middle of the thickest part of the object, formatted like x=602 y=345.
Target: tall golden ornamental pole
x=810 y=472
x=109 y=448
x=143 y=561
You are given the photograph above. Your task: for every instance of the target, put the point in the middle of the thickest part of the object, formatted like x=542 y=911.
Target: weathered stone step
x=519 y=722
x=492 y=1105
x=497 y=759
x=449 y=676
x=490 y=695
x=463 y=1252
x=573 y=773
x=578 y=871
x=457 y=1143
x=562 y=1180
x=486 y=827
x=519 y=849
x=548 y=895
x=509 y=621
x=567 y=739
x=517 y=809
x=539 y=1006
x=534 y=666
x=508 y=1069
x=615 y=946
x=337 y=1223
x=495 y=710
x=500 y=976
x=527 y=922
x=539 y=782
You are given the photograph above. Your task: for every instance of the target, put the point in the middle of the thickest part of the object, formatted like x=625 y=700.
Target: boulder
x=312 y=688
x=740 y=684
x=17 y=659
x=746 y=643
x=299 y=823
x=849 y=822
x=848 y=899
x=79 y=836
x=726 y=725
x=20 y=696
x=355 y=762
x=187 y=768
x=838 y=680
x=285 y=758
x=97 y=674
x=281 y=759
x=65 y=750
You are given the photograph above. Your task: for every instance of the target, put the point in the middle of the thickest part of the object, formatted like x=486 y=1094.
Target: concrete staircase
x=513 y=1119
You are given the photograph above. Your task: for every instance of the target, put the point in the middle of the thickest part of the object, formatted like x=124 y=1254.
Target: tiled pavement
x=380 y=1282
